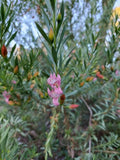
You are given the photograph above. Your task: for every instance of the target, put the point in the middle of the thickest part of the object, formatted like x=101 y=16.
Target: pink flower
x=6 y=96
x=54 y=81
x=55 y=93
x=94 y=79
x=13 y=82
x=118 y=111
x=55 y=101
x=117 y=73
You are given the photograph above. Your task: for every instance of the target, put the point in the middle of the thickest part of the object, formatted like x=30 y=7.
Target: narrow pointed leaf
x=66 y=64
x=43 y=33
x=61 y=37
x=13 y=49
x=46 y=18
x=2 y=13
x=49 y=6
x=11 y=38
x=62 y=13
x=62 y=10
x=54 y=55
x=53 y=4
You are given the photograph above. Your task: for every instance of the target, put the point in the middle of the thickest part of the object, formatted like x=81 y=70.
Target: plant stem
x=90 y=122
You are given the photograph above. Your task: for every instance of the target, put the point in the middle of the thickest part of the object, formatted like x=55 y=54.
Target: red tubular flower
x=4 y=51
x=99 y=75
x=73 y=106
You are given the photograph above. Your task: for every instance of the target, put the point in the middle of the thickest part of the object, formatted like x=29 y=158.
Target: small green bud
x=51 y=35
x=59 y=18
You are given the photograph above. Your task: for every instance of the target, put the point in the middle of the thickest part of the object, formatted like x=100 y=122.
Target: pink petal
x=6 y=96
x=94 y=79
x=117 y=73
x=49 y=92
x=14 y=82
x=7 y=100
x=55 y=101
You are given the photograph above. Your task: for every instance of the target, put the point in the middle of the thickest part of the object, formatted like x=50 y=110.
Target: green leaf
x=43 y=33
x=84 y=62
x=11 y=38
x=62 y=13
x=49 y=55
x=73 y=93
x=4 y=135
x=92 y=39
x=70 y=51
x=8 y=25
x=46 y=18
x=67 y=62
x=60 y=60
x=64 y=41
x=2 y=13
x=47 y=58
x=53 y=5
x=54 y=55
x=68 y=73
x=13 y=49
x=49 y=6
x=8 y=11
x=62 y=10
x=61 y=37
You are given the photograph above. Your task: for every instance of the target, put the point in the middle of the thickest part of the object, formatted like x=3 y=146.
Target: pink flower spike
x=13 y=82
x=6 y=96
x=55 y=82
x=73 y=106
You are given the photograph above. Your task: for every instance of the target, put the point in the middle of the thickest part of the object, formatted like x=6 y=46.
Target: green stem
x=50 y=135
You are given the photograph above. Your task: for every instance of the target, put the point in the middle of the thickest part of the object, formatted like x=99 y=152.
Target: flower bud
x=88 y=79
x=62 y=99
x=103 y=67
x=11 y=103
x=4 y=51
x=73 y=106
x=112 y=69
x=95 y=71
x=99 y=75
x=15 y=69
x=82 y=83
x=29 y=76
x=36 y=74
x=51 y=35
x=59 y=18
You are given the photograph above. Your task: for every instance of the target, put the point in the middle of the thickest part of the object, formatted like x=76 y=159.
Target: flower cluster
x=55 y=82
x=7 y=96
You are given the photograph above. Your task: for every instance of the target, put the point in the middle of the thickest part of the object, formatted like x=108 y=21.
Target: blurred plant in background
x=60 y=99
